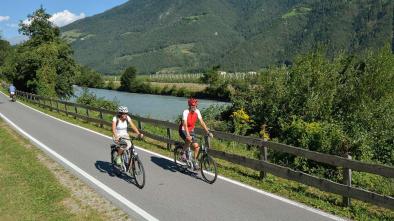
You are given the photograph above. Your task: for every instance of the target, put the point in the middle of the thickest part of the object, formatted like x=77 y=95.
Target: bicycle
x=207 y=164
x=13 y=96
x=130 y=162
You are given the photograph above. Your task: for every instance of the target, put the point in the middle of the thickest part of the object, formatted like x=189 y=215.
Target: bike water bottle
x=134 y=152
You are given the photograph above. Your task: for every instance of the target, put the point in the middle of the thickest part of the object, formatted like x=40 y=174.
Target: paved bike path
x=168 y=193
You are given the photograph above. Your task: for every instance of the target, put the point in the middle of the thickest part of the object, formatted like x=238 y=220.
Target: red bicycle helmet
x=192 y=102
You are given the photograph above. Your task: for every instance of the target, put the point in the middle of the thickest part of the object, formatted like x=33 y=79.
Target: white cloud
x=61 y=18
x=65 y=17
x=17 y=39
x=26 y=21
x=11 y=25
x=4 y=18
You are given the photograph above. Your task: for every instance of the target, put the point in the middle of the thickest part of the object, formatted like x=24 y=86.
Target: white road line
x=99 y=184
x=300 y=205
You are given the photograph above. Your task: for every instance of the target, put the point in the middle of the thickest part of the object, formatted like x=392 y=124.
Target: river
x=147 y=105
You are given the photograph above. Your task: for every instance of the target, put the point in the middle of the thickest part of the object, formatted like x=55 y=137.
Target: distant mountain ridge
x=194 y=35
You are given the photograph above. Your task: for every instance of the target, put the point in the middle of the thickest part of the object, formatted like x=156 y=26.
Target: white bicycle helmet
x=123 y=109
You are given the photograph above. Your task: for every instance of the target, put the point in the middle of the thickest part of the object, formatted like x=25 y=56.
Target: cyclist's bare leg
x=120 y=151
x=196 y=148
x=187 y=144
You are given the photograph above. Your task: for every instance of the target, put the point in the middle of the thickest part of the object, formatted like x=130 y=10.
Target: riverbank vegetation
x=338 y=106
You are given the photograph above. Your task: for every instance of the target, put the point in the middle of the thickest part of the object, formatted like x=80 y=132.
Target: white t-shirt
x=121 y=128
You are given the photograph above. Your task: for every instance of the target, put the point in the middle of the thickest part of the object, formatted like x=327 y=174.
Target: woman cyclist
x=186 y=127
x=119 y=130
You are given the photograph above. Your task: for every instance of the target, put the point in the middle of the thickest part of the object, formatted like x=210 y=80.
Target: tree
x=89 y=78
x=5 y=47
x=336 y=105
x=43 y=64
x=39 y=28
x=211 y=77
x=128 y=79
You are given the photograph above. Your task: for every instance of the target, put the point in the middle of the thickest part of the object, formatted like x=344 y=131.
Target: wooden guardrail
x=344 y=189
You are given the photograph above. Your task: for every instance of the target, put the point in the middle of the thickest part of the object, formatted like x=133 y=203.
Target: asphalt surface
x=168 y=194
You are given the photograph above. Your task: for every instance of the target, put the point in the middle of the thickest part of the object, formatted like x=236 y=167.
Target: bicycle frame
x=129 y=153
x=202 y=151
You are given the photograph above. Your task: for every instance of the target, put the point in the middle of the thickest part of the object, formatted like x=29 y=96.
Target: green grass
x=28 y=190
x=296 y=12
x=289 y=189
x=192 y=87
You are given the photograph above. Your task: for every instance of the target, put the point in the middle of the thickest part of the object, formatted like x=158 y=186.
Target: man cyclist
x=12 y=90
x=186 y=128
x=119 y=130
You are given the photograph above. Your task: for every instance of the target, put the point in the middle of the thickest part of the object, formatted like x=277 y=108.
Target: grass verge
x=29 y=191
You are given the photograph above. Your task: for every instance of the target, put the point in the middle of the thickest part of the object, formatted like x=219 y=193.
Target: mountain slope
x=189 y=35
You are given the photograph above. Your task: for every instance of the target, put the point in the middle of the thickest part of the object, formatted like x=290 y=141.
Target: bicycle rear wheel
x=208 y=169
x=113 y=154
x=138 y=172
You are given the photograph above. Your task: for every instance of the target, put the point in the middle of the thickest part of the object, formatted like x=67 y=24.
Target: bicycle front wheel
x=208 y=169
x=138 y=172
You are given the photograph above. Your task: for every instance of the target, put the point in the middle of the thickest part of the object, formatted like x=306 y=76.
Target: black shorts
x=182 y=134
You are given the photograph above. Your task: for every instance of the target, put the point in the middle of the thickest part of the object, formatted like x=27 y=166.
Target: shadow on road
x=107 y=167
x=171 y=166
x=164 y=163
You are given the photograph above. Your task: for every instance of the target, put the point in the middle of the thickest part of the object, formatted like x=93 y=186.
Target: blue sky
x=63 y=11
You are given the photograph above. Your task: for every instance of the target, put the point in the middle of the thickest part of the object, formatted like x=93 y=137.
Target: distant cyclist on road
x=186 y=127
x=119 y=129
x=12 y=90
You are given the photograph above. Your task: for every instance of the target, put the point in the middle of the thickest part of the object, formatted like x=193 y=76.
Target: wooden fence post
x=87 y=114
x=101 y=117
x=76 y=111
x=65 y=108
x=57 y=106
x=347 y=180
x=263 y=157
x=169 y=137
x=139 y=124
x=264 y=151
x=50 y=104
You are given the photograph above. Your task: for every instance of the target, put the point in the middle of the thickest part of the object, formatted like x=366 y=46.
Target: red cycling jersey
x=190 y=118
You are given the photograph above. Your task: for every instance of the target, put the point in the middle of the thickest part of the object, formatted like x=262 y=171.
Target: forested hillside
x=184 y=35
